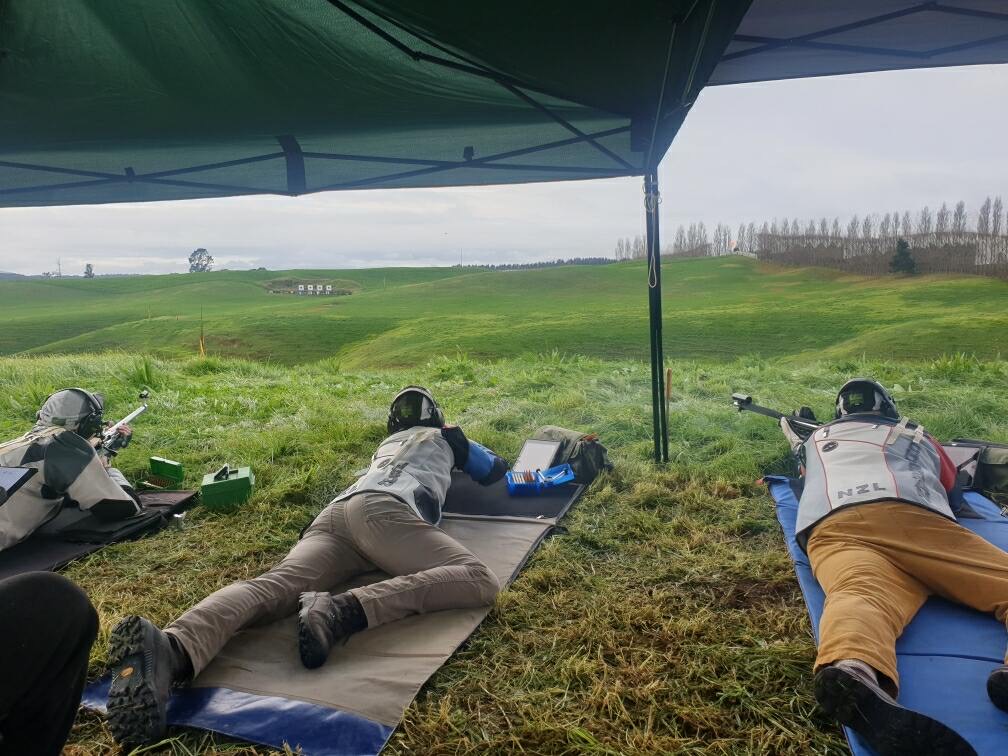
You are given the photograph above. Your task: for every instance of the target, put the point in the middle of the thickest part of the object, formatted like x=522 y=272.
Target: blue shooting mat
x=945 y=654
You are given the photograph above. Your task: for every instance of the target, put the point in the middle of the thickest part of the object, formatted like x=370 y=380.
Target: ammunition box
x=225 y=494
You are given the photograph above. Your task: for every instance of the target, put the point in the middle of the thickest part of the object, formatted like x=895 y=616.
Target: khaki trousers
x=367 y=532
x=878 y=563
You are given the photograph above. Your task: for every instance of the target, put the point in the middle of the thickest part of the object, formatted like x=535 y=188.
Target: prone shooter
x=880 y=529
x=72 y=451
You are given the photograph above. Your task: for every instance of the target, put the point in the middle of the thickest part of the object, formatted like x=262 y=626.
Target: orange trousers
x=879 y=562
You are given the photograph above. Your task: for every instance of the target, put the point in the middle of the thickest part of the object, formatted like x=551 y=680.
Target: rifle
x=112 y=437
x=803 y=427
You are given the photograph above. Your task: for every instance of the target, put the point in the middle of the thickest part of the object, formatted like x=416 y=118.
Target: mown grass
x=664 y=620
x=715 y=309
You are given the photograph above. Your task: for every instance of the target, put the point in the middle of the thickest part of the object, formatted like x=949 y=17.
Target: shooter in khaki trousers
x=367 y=532
x=878 y=563
x=386 y=521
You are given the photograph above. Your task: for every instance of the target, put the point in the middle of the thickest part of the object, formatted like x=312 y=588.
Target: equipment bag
x=582 y=451
x=990 y=476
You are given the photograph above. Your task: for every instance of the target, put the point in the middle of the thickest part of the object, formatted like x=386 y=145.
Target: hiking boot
x=850 y=696
x=144 y=664
x=324 y=621
x=997 y=687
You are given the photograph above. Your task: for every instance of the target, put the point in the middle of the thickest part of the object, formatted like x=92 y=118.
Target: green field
x=715 y=309
x=666 y=619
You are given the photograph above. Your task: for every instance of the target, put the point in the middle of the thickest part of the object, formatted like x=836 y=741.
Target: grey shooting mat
x=468 y=497
x=257 y=690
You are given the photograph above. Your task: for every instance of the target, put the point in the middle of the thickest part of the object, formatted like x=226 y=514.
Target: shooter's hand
x=794 y=441
x=126 y=433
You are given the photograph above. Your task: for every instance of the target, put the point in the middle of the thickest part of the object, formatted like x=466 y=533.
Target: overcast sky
x=808 y=148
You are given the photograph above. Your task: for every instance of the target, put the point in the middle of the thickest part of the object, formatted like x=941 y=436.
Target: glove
x=794 y=441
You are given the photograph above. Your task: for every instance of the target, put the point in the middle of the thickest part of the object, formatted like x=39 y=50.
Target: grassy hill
x=666 y=618
x=714 y=309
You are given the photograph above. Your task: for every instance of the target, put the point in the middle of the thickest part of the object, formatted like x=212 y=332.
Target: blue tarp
x=267 y=720
x=945 y=654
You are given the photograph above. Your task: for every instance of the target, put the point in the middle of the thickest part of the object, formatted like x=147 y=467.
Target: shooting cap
x=75 y=409
x=414 y=405
x=865 y=396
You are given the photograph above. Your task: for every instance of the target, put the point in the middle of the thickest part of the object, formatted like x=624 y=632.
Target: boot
x=852 y=697
x=145 y=663
x=997 y=687
x=324 y=621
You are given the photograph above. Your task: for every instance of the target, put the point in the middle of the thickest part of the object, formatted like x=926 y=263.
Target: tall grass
x=665 y=619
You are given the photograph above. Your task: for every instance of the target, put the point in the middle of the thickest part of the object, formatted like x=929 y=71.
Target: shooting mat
x=74 y=534
x=945 y=654
x=257 y=690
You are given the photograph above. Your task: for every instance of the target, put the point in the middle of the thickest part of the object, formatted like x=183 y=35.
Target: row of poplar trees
x=947 y=240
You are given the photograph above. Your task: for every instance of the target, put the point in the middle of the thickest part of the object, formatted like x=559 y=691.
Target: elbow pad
x=483 y=465
x=478 y=462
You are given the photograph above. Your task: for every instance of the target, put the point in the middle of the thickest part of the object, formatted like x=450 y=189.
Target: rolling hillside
x=714 y=309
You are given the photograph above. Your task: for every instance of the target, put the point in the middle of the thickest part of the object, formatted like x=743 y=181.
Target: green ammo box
x=164 y=473
x=224 y=489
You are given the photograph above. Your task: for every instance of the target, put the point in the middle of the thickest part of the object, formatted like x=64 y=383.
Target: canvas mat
x=378 y=672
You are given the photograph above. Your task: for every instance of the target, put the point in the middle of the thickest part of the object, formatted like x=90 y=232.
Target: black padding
x=467 y=497
x=75 y=526
x=42 y=554
x=73 y=534
x=65 y=459
x=113 y=509
x=171 y=502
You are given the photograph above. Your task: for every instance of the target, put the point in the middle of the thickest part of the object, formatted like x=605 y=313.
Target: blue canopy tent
x=143 y=100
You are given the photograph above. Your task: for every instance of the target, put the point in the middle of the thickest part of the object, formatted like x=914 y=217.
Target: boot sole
x=889 y=728
x=135 y=716
x=312 y=655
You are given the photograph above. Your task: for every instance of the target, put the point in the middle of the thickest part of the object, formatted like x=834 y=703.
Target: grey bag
x=989 y=468
x=582 y=451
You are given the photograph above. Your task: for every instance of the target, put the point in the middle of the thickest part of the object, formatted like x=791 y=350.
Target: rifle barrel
x=766 y=411
x=125 y=421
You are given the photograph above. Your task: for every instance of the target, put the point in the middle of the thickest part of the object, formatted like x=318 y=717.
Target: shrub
x=903 y=261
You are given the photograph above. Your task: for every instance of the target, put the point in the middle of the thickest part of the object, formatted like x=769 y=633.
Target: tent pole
x=660 y=422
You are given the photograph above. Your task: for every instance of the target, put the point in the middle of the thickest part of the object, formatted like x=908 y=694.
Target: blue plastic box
x=517 y=484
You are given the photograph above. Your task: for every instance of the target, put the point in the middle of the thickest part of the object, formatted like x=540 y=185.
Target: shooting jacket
x=69 y=471
x=414 y=466
x=861 y=459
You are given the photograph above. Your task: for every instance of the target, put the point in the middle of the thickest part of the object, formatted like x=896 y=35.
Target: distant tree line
x=947 y=240
x=546 y=263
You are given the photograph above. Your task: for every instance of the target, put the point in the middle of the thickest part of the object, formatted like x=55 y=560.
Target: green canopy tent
x=143 y=100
